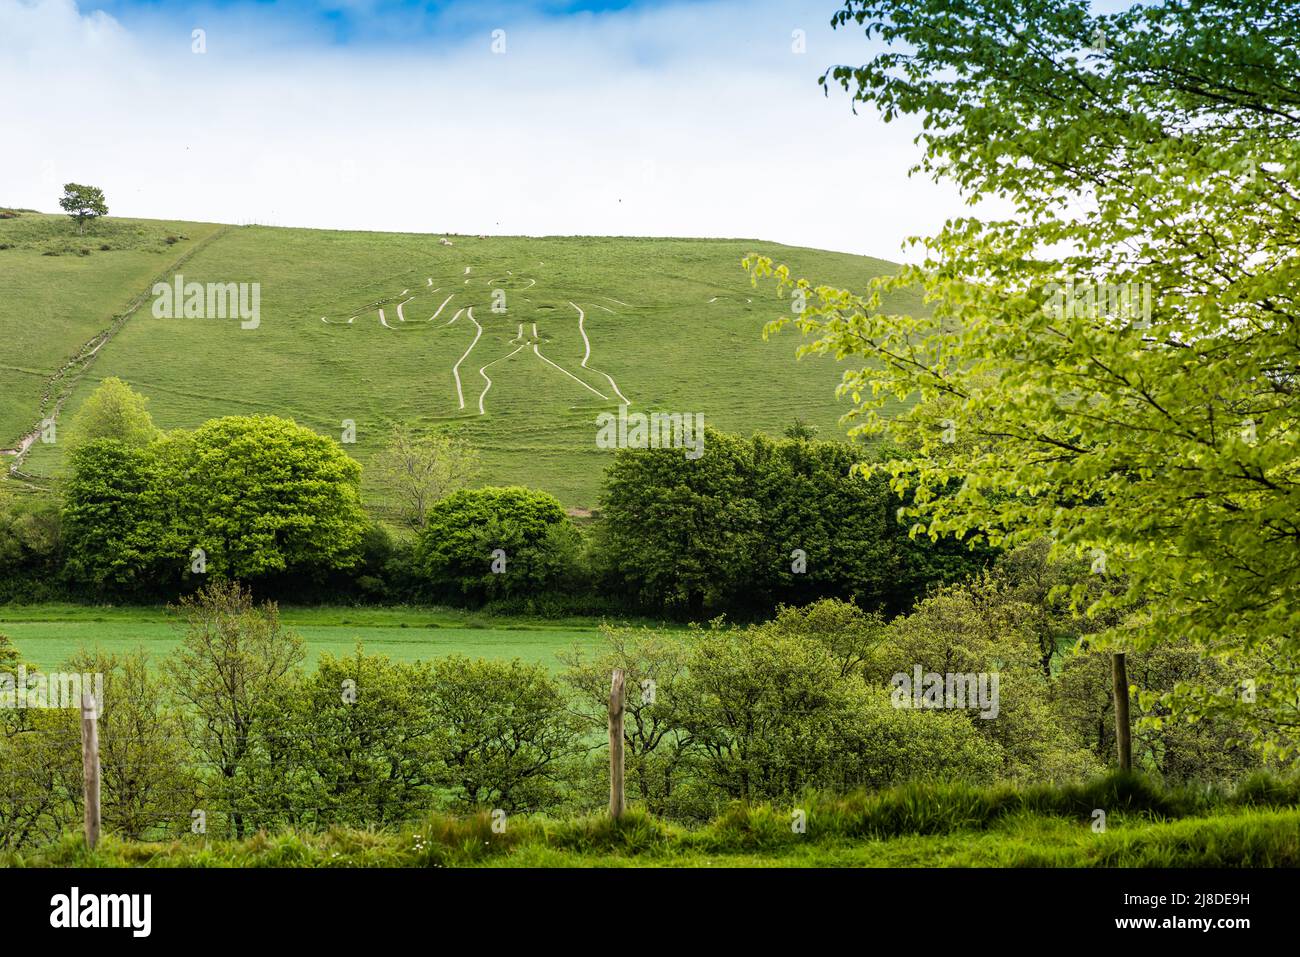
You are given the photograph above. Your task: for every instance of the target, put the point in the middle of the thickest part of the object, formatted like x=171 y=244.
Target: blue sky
x=360 y=25
x=594 y=117
x=361 y=22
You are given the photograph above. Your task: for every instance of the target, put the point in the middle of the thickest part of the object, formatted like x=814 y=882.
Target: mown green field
x=668 y=324
x=47 y=635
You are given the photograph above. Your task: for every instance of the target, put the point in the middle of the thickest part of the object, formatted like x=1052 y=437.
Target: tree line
x=148 y=515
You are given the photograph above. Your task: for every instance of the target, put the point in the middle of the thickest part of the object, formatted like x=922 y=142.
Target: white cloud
x=691 y=121
x=30 y=32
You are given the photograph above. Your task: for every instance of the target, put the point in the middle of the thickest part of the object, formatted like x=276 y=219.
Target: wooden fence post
x=1123 y=727
x=90 y=766
x=617 y=800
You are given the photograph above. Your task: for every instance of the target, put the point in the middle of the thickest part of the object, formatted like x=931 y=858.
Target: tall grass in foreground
x=1255 y=824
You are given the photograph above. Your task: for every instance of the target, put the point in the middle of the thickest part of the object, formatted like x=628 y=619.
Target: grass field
x=931 y=825
x=668 y=324
x=57 y=299
x=47 y=635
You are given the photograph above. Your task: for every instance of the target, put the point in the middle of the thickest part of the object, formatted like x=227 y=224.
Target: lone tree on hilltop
x=83 y=203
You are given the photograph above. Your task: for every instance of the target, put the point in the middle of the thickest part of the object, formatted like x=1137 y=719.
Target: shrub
x=351 y=743
x=507 y=735
x=235 y=656
x=498 y=543
x=31 y=547
x=263 y=496
x=1215 y=748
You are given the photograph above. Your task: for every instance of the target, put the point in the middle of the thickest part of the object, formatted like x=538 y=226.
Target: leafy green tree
x=114 y=518
x=83 y=203
x=1213 y=748
x=9 y=657
x=766 y=710
x=983 y=628
x=846 y=531
x=148 y=786
x=882 y=745
x=498 y=542
x=40 y=765
x=40 y=789
x=1121 y=349
x=849 y=633
x=799 y=429
x=754 y=522
x=31 y=546
x=773 y=713
x=417 y=470
x=258 y=495
x=115 y=411
x=680 y=532
x=1042 y=584
x=262 y=496
x=352 y=743
x=508 y=735
x=234 y=655
x=657 y=746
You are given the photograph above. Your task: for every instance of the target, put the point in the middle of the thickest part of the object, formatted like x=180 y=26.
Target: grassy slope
x=912 y=826
x=50 y=305
x=47 y=635
x=669 y=348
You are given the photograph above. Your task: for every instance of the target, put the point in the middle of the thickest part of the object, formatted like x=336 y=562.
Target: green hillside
x=380 y=328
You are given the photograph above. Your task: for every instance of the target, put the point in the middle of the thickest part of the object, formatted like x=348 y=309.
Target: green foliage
x=506 y=733
x=768 y=710
x=1172 y=746
x=83 y=203
x=983 y=628
x=352 y=743
x=114 y=518
x=680 y=530
x=40 y=765
x=849 y=633
x=147 y=786
x=259 y=495
x=262 y=495
x=40 y=787
x=115 y=411
x=232 y=659
x=1159 y=148
x=414 y=471
x=9 y=659
x=498 y=542
x=658 y=747
x=1041 y=586
x=757 y=521
x=773 y=713
x=31 y=546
